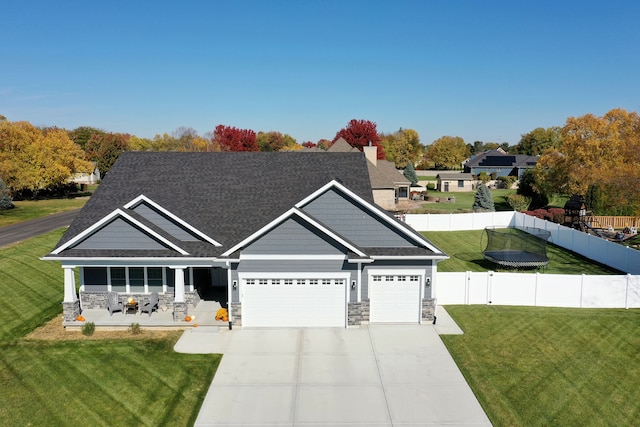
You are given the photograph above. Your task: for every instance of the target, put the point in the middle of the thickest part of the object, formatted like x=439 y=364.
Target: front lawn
x=30 y=209
x=550 y=366
x=465 y=249
x=139 y=381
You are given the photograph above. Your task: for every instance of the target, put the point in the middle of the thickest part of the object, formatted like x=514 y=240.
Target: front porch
x=203 y=314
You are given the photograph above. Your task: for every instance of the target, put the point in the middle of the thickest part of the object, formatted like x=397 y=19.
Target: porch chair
x=114 y=303
x=151 y=305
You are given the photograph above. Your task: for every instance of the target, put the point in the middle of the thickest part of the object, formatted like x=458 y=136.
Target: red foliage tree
x=309 y=144
x=358 y=133
x=233 y=139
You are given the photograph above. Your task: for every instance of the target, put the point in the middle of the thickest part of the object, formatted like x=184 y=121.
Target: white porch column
x=69 y=284
x=179 y=283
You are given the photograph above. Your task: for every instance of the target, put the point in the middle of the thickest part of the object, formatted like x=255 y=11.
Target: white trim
x=284 y=257
x=80 y=261
x=143 y=198
x=373 y=209
x=409 y=257
x=397 y=272
x=292 y=275
x=107 y=219
x=288 y=214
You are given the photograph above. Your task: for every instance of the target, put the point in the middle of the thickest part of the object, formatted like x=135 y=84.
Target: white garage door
x=288 y=302
x=394 y=298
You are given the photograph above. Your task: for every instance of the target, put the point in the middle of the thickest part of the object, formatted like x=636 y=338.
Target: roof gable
x=319 y=228
x=119 y=230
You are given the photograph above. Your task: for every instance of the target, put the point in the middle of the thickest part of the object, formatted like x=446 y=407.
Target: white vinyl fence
x=546 y=290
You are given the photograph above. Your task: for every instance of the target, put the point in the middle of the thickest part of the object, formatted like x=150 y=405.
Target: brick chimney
x=371 y=153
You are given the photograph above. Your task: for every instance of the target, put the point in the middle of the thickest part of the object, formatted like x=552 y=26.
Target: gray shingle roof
x=228 y=196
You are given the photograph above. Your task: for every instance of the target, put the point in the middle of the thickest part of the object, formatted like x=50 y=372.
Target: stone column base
x=428 y=309
x=180 y=311
x=70 y=310
x=236 y=313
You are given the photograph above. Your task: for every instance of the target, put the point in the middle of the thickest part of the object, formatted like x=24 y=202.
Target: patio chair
x=114 y=303
x=151 y=305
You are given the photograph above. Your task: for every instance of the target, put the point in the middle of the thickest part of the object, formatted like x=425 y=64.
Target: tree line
x=593 y=156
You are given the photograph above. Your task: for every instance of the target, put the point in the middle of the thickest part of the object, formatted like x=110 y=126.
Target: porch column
x=70 y=294
x=179 y=283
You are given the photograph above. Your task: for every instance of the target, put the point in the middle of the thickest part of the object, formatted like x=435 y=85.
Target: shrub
x=88 y=328
x=431 y=186
x=518 y=202
x=506 y=181
x=135 y=329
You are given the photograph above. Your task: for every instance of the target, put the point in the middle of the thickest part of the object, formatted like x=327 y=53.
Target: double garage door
x=310 y=301
x=395 y=298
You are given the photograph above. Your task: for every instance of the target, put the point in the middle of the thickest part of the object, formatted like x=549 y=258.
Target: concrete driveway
x=376 y=375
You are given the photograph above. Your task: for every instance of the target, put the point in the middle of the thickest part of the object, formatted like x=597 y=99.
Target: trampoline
x=515 y=248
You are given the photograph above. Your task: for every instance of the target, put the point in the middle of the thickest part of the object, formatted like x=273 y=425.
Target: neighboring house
x=389 y=185
x=454 y=181
x=87 y=178
x=499 y=162
x=291 y=239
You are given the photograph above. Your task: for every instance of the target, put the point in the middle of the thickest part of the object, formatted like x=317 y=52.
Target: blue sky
x=482 y=70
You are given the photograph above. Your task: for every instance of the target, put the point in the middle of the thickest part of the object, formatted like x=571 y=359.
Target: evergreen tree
x=6 y=202
x=483 y=200
x=410 y=174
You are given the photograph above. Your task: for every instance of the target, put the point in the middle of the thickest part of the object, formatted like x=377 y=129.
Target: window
x=326 y=281
x=460 y=183
x=276 y=281
x=300 y=281
x=251 y=282
x=339 y=282
x=377 y=278
x=313 y=281
x=402 y=278
x=288 y=281
x=414 y=278
x=118 y=279
x=388 y=278
x=136 y=279
x=263 y=282
x=154 y=279
x=95 y=278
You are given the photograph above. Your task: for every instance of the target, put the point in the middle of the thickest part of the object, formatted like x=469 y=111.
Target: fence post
x=489 y=280
x=467 y=279
x=626 y=294
x=535 y=295
x=581 y=288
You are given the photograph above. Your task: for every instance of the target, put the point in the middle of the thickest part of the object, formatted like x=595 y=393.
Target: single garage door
x=394 y=298
x=289 y=302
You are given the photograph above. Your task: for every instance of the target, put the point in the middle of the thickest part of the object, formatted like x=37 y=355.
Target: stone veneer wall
x=354 y=313
x=236 y=313
x=428 y=309
x=98 y=300
x=70 y=310
x=365 y=307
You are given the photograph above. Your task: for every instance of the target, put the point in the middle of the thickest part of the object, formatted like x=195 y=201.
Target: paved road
x=17 y=232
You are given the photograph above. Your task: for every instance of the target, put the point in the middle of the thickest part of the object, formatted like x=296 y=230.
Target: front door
x=446 y=186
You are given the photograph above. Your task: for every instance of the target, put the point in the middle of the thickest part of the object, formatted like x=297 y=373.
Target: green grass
x=30 y=209
x=464 y=201
x=550 y=366
x=465 y=251
x=116 y=382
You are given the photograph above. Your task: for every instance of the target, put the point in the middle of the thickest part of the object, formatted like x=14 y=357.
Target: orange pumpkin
x=80 y=318
x=187 y=319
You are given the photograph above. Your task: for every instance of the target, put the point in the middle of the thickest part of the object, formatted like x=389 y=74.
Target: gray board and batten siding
x=353 y=222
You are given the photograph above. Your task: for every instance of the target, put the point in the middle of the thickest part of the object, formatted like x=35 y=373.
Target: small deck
x=204 y=313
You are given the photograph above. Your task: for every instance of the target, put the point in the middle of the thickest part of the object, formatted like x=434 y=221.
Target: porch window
x=171 y=279
x=154 y=279
x=118 y=279
x=136 y=279
x=95 y=279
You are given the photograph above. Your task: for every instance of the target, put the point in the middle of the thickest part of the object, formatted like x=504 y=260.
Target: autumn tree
x=359 y=133
x=33 y=160
x=82 y=134
x=538 y=141
x=276 y=141
x=597 y=150
x=105 y=149
x=402 y=147
x=447 y=152
x=231 y=138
